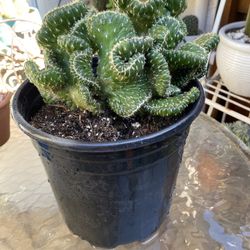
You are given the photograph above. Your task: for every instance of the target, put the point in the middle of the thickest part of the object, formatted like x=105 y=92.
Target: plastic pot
x=109 y=193
x=5 y=119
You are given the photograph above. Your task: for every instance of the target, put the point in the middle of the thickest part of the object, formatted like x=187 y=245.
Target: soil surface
x=84 y=126
x=239 y=35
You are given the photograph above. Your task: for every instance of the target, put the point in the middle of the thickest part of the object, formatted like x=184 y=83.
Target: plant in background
x=192 y=24
x=13 y=8
x=142 y=63
x=241 y=130
x=247 y=28
x=100 y=5
x=110 y=5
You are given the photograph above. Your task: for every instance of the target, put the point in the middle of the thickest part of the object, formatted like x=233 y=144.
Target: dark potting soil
x=84 y=126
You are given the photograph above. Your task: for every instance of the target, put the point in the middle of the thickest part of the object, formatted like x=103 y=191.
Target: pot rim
x=6 y=100
x=121 y=145
x=230 y=42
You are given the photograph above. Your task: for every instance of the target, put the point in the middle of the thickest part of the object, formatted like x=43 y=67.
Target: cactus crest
x=128 y=60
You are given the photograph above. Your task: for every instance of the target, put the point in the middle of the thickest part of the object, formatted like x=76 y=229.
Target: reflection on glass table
x=210 y=207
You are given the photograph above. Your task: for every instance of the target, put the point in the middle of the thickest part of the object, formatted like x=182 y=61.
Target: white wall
x=212 y=9
x=199 y=9
x=205 y=11
x=46 y=5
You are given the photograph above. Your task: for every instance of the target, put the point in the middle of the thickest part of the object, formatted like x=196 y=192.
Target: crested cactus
x=143 y=65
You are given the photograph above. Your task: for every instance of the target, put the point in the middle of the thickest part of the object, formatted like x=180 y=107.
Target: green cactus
x=168 y=32
x=142 y=66
x=175 y=7
x=192 y=23
x=241 y=130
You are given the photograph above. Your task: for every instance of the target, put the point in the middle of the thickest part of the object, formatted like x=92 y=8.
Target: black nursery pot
x=109 y=193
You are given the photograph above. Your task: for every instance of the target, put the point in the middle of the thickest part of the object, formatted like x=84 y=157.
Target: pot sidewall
x=233 y=62
x=5 y=119
x=112 y=199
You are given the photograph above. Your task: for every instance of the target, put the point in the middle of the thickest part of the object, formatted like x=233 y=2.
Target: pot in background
x=5 y=119
x=233 y=61
x=113 y=193
x=191 y=38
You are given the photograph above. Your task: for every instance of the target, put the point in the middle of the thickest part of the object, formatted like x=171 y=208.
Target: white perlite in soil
x=239 y=35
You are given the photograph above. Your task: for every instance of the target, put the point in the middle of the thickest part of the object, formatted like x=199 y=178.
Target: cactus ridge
x=190 y=55
x=142 y=63
x=172 y=106
x=127 y=57
x=128 y=100
x=71 y=43
x=59 y=21
x=81 y=67
x=140 y=8
x=159 y=72
x=176 y=7
x=108 y=28
x=52 y=77
x=208 y=41
x=142 y=13
x=168 y=32
x=83 y=99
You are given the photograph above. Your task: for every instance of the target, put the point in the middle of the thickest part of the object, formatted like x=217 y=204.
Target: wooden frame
x=235 y=10
x=229 y=104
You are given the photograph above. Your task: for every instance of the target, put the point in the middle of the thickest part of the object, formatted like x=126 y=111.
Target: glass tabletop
x=210 y=207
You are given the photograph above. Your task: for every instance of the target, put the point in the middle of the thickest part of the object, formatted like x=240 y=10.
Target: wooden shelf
x=224 y=105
